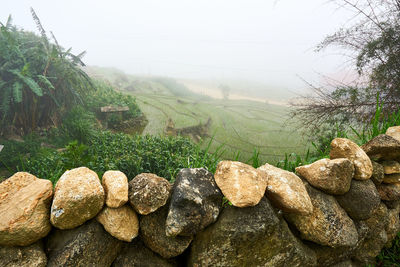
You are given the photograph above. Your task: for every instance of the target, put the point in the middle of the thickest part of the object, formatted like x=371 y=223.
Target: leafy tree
x=39 y=80
x=372 y=42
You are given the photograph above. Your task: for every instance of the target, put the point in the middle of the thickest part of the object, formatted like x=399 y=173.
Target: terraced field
x=238 y=126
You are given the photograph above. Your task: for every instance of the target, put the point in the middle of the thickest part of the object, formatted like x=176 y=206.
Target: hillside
x=236 y=124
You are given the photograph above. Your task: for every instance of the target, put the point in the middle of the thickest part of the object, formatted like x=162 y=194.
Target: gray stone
x=148 y=192
x=378 y=220
x=332 y=176
x=29 y=256
x=389 y=192
x=393 y=227
x=382 y=147
x=361 y=200
x=137 y=254
x=153 y=234
x=87 y=245
x=252 y=236
x=328 y=225
x=377 y=173
x=195 y=202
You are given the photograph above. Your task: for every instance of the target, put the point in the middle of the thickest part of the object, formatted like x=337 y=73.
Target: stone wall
x=334 y=212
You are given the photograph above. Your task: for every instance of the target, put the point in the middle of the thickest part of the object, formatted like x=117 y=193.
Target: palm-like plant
x=39 y=80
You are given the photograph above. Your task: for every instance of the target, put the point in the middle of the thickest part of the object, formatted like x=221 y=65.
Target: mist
x=268 y=42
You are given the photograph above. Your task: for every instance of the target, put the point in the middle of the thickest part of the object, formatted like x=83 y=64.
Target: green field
x=239 y=126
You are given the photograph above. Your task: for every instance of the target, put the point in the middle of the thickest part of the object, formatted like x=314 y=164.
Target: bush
x=164 y=156
x=79 y=124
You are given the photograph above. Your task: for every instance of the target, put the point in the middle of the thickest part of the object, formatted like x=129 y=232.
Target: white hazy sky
x=262 y=40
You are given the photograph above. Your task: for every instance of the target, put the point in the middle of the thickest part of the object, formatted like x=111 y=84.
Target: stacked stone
x=339 y=211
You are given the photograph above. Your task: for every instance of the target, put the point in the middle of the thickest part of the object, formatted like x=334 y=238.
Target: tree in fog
x=372 y=42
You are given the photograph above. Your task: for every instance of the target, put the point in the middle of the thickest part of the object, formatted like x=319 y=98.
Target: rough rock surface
x=328 y=225
x=347 y=263
x=382 y=147
x=122 y=223
x=379 y=220
x=29 y=256
x=252 y=236
x=137 y=254
x=361 y=200
x=86 y=245
x=24 y=209
x=390 y=166
x=78 y=197
x=195 y=202
x=393 y=226
x=344 y=148
x=371 y=247
x=115 y=184
x=153 y=234
x=394 y=132
x=332 y=176
x=148 y=192
x=378 y=173
x=389 y=192
x=240 y=183
x=286 y=190
x=391 y=178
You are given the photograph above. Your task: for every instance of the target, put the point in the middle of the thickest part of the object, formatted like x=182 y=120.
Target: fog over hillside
x=270 y=43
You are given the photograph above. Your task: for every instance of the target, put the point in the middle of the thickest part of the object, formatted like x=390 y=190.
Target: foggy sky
x=262 y=40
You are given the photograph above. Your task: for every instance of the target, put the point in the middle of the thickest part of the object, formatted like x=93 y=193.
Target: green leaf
x=45 y=81
x=17 y=92
x=35 y=88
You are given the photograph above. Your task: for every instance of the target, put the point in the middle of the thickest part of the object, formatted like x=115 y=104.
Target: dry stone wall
x=339 y=211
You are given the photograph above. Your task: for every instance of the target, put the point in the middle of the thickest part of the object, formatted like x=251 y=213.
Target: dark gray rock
x=382 y=147
x=252 y=236
x=377 y=173
x=393 y=227
x=328 y=225
x=87 y=245
x=195 y=202
x=147 y=192
x=378 y=220
x=389 y=192
x=30 y=256
x=361 y=200
x=153 y=234
x=137 y=254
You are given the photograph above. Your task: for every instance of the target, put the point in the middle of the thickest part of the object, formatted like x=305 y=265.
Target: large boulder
x=115 y=184
x=361 y=200
x=328 y=224
x=382 y=147
x=240 y=183
x=122 y=223
x=153 y=234
x=148 y=192
x=86 y=245
x=252 y=236
x=377 y=173
x=29 y=256
x=394 y=132
x=195 y=202
x=78 y=197
x=389 y=192
x=24 y=209
x=344 y=148
x=137 y=254
x=332 y=176
x=286 y=190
